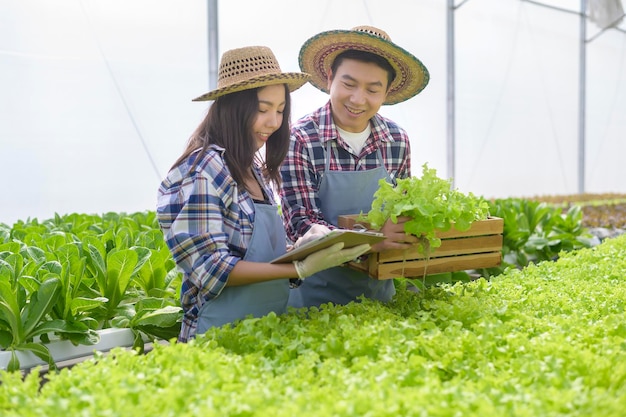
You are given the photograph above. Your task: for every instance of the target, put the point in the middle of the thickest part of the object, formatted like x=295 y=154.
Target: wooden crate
x=478 y=247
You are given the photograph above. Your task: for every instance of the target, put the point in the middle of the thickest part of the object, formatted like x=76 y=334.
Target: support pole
x=582 y=96
x=450 y=93
x=212 y=42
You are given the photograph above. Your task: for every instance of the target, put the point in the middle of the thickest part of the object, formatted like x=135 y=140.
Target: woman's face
x=270 y=114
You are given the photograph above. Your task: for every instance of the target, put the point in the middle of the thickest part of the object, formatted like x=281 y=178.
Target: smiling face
x=357 y=90
x=270 y=114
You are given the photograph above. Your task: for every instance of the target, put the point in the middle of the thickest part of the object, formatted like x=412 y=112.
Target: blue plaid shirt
x=304 y=166
x=207 y=224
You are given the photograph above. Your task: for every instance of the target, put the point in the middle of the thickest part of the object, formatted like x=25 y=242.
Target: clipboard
x=350 y=238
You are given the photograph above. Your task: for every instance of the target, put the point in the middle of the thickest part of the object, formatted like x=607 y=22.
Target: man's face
x=357 y=91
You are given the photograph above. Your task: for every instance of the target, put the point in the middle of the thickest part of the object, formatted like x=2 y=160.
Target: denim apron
x=344 y=192
x=268 y=241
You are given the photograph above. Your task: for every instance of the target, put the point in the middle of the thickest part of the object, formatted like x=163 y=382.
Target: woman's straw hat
x=319 y=52
x=251 y=67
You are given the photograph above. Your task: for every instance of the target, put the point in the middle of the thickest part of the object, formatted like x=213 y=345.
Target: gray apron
x=268 y=241
x=344 y=192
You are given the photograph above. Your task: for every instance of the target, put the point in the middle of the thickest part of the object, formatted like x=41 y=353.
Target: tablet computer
x=350 y=238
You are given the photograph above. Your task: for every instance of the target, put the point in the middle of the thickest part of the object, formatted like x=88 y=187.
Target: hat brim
x=294 y=80
x=318 y=53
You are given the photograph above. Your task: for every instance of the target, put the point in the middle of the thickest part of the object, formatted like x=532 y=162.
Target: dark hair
x=366 y=57
x=229 y=124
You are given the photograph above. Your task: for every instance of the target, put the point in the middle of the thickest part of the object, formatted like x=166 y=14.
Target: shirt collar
x=328 y=129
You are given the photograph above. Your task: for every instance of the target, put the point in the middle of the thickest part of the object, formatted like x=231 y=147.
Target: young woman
x=216 y=207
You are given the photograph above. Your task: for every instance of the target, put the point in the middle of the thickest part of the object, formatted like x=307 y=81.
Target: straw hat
x=251 y=67
x=319 y=52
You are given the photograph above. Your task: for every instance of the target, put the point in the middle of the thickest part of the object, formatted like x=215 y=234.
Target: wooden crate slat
x=478 y=247
x=489 y=226
x=449 y=247
x=347 y=221
x=438 y=265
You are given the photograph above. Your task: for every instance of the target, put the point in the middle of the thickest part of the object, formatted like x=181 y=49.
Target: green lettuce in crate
x=430 y=202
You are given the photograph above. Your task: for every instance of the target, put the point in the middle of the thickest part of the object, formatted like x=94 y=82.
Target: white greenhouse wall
x=95 y=95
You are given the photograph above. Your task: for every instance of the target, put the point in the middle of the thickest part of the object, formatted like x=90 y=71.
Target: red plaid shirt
x=304 y=166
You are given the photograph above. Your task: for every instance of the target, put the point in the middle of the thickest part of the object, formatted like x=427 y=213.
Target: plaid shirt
x=303 y=169
x=207 y=223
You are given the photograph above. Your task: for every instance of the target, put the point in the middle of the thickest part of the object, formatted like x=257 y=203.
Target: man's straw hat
x=251 y=67
x=319 y=52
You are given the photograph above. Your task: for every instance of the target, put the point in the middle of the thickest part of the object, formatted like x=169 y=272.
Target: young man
x=339 y=153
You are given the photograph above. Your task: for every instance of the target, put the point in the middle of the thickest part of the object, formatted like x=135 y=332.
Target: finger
x=408 y=238
x=364 y=248
x=319 y=229
x=398 y=245
x=356 y=251
x=402 y=238
x=399 y=219
x=334 y=248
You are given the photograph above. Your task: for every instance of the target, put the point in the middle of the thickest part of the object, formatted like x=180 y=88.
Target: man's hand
x=396 y=237
x=315 y=232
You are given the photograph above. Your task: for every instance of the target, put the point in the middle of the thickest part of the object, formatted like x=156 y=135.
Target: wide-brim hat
x=251 y=67
x=319 y=52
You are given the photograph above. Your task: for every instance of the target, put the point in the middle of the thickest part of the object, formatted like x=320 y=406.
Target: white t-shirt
x=355 y=140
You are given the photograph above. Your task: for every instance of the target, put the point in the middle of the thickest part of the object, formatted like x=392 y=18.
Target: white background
x=95 y=95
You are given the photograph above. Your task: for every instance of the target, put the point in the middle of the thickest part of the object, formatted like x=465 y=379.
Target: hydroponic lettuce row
x=607 y=210
x=68 y=277
x=430 y=202
x=548 y=340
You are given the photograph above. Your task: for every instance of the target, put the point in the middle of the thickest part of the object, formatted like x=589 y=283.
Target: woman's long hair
x=229 y=124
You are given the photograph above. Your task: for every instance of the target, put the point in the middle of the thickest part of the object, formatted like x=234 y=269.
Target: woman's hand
x=332 y=256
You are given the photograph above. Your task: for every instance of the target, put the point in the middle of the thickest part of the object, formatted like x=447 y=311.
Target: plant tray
x=478 y=247
x=63 y=350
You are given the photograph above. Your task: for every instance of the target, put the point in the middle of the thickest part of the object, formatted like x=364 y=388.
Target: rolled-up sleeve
x=206 y=227
x=300 y=182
